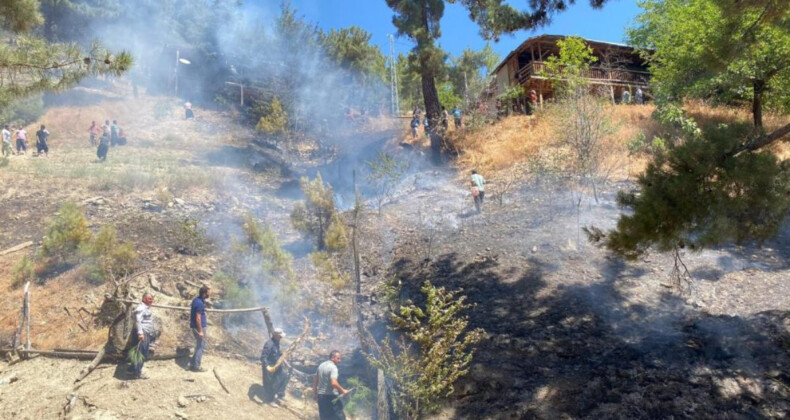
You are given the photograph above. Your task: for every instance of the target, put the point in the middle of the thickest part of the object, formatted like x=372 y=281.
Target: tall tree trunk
x=757 y=104
x=432 y=111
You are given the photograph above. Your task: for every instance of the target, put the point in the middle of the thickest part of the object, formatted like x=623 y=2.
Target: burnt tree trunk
x=757 y=102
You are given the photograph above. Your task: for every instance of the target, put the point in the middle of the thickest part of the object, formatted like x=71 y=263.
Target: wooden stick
x=96 y=360
x=268 y=321
x=27 y=316
x=291 y=348
x=17 y=248
x=186 y=308
x=18 y=333
x=220 y=381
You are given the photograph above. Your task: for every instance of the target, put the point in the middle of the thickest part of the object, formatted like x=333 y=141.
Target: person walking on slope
x=327 y=389
x=104 y=146
x=275 y=380
x=7 y=148
x=114 y=129
x=141 y=342
x=42 y=136
x=198 y=324
x=478 y=189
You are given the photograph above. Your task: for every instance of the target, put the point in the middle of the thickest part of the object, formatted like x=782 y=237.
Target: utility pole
x=395 y=100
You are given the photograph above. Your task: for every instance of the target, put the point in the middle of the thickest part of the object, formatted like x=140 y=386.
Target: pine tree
x=31 y=65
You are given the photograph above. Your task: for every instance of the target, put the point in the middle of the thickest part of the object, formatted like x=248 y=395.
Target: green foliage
x=361 y=404
x=717 y=50
x=470 y=73
x=444 y=349
x=317 y=215
x=262 y=239
x=107 y=258
x=189 y=237
x=23 y=111
x=698 y=194
x=23 y=271
x=447 y=95
x=274 y=120
x=351 y=49
x=236 y=294
x=566 y=70
x=65 y=235
x=329 y=271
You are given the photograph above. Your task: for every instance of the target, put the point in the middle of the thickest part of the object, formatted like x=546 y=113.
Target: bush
x=262 y=239
x=190 y=238
x=274 y=119
x=235 y=293
x=66 y=234
x=317 y=215
x=23 y=111
x=23 y=272
x=360 y=405
x=445 y=349
x=106 y=258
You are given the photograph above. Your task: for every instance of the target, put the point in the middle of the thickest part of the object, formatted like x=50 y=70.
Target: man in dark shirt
x=42 y=136
x=275 y=380
x=197 y=323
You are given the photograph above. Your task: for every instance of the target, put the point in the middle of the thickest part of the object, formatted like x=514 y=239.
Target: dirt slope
x=43 y=385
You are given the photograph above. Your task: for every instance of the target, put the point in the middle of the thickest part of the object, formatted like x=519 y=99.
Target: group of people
x=106 y=136
x=639 y=97
x=326 y=388
x=456 y=112
x=19 y=134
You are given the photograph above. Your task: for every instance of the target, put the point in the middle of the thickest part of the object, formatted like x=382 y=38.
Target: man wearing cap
x=275 y=379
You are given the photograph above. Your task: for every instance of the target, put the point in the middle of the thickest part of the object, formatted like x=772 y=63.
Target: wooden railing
x=598 y=74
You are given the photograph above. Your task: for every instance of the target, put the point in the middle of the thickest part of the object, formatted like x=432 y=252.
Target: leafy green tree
x=445 y=347
x=718 y=50
x=30 y=65
x=566 y=70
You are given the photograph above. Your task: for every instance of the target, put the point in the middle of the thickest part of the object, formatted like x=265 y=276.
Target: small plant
x=107 y=258
x=236 y=294
x=190 y=238
x=163 y=197
x=274 y=119
x=23 y=272
x=262 y=239
x=317 y=215
x=66 y=234
x=384 y=173
x=360 y=405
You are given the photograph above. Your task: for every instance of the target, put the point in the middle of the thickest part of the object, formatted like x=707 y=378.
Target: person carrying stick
x=327 y=389
x=141 y=342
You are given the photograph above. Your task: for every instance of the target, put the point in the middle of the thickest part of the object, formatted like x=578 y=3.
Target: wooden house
x=619 y=68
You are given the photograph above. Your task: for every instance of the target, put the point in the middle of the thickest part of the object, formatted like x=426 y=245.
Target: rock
x=178 y=201
x=182 y=402
x=154 y=283
x=534 y=249
x=181 y=415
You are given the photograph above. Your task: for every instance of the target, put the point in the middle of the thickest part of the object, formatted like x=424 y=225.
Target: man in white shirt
x=141 y=342
x=7 y=147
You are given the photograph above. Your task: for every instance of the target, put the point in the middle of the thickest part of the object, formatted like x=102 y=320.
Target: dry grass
x=512 y=141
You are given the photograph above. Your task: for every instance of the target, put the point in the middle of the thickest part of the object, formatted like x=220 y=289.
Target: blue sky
x=458 y=32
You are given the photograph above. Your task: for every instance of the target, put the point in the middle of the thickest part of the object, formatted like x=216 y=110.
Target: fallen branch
x=16 y=248
x=222 y=384
x=291 y=348
x=96 y=360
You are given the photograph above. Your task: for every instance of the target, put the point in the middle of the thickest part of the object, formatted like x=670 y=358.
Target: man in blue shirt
x=197 y=323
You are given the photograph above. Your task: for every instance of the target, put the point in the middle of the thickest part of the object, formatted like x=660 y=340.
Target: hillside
x=571 y=331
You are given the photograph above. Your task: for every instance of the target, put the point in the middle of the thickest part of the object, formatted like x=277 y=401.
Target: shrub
x=445 y=349
x=360 y=405
x=190 y=238
x=23 y=272
x=66 y=234
x=106 y=258
x=262 y=239
x=317 y=215
x=274 y=119
x=235 y=293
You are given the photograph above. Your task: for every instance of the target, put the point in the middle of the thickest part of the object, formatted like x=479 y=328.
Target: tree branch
x=761 y=141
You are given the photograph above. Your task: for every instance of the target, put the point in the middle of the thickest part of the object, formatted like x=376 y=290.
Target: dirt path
x=40 y=392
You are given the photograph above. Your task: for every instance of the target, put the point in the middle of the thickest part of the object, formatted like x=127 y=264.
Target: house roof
x=547 y=37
